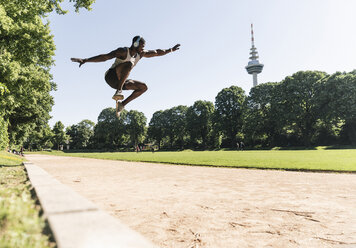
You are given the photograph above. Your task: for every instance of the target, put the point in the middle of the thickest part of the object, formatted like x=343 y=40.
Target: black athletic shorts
x=112 y=80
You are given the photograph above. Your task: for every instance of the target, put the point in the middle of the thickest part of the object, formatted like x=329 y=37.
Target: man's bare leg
x=122 y=72
x=138 y=87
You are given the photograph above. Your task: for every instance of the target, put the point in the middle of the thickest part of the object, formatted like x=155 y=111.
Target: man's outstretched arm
x=99 y=58
x=159 y=52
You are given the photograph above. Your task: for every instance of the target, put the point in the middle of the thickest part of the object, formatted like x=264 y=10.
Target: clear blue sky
x=290 y=35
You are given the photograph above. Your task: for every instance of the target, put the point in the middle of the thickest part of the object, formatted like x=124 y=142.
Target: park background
x=199 y=97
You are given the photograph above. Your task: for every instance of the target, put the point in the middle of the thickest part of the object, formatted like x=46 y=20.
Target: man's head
x=138 y=43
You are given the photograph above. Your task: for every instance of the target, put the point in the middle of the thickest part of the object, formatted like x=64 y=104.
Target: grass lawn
x=314 y=160
x=20 y=223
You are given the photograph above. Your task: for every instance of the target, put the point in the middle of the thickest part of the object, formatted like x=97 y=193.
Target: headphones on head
x=137 y=42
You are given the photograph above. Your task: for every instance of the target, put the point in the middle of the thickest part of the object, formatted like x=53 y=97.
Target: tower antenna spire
x=252 y=38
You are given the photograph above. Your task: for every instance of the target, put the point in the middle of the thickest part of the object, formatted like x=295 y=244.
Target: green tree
x=40 y=138
x=59 y=135
x=110 y=132
x=262 y=115
x=229 y=107
x=301 y=104
x=167 y=127
x=81 y=134
x=26 y=51
x=200 y=122
x=161 y=128
x=135 y=123
x=156 y=128
x=168 y=132
x=339 y=102
x=177 y=125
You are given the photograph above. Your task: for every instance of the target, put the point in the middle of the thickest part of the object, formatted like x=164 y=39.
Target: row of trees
x=109 y=133
x=307 y=108
x=26 y=51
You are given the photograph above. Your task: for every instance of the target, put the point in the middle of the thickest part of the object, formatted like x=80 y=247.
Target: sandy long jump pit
x=186 y=206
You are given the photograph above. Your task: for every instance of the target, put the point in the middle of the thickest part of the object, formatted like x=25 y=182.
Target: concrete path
x=185 y=206
x=75 y=221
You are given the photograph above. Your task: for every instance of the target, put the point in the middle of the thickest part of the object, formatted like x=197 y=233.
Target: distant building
x=254 y=67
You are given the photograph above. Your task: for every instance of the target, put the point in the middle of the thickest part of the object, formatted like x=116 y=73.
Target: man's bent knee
x=143 y=87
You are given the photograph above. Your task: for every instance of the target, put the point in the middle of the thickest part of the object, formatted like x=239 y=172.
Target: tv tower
x=254 y=67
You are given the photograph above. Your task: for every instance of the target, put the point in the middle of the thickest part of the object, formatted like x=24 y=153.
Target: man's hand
x=176 y=47
x=80 y=61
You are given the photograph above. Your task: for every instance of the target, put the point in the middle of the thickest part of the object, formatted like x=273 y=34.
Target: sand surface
x=189 y=207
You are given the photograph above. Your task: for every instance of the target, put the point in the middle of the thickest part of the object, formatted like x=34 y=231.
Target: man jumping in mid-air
x=126 y=59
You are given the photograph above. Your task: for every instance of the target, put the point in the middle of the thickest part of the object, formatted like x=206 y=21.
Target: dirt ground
x=189 y=207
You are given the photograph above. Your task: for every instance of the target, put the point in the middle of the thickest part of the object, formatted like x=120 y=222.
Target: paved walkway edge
x=75 y=221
